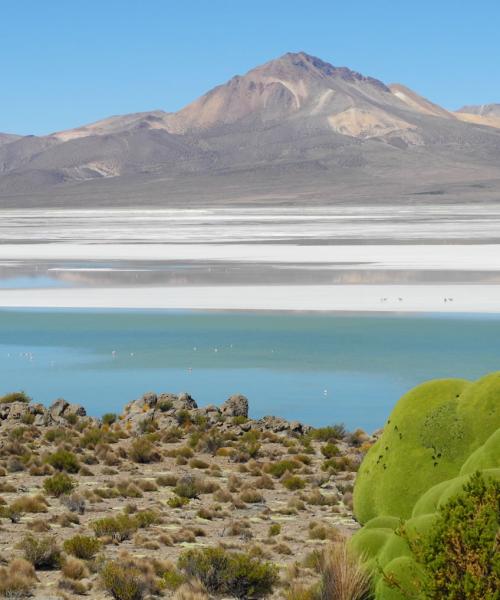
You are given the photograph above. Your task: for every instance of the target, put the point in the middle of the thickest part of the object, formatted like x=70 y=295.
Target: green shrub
x=41 y=552
x=278 y=469
x=274 y=529
x=119 y=528
x=165 y=405
x=15 y=397
x=82 y=546
x=233 y=573
x=294 y=482
x=58 y=485
x=187 y=487
x=109 y=418
x=63 y=460
x=329 y=433
x=92 y=437
x=172 y=579
x=330 y=450
x=183 y=417
x=145 y=518
x=177 y=501
x=123 y=582
x=460 y=554
x=53 y=435
x=141 y=450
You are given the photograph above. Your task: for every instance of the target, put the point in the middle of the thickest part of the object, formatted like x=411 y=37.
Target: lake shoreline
x=303 y=298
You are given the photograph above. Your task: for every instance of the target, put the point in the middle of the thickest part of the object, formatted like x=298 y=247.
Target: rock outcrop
x=164 y=410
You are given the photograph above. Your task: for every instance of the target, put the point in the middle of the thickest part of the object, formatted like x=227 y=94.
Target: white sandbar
x=378 y=298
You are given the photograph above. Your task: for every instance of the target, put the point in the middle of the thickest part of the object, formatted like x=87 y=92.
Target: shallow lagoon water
x=318 y=368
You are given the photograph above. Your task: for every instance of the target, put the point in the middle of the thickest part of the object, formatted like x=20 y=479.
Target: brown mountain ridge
x=294 y=129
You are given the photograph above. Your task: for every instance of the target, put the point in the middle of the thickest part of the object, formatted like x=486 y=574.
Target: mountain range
x=296 y=129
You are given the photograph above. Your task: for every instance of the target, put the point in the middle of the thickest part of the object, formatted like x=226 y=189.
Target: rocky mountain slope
x=294 y=129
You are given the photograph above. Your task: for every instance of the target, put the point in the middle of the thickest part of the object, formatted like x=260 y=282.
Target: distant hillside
x=295 y=129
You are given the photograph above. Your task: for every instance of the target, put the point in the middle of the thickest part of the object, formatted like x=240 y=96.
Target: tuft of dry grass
x=74 y=568
x=29 y=504
x=192 y=590
x=17 y=579
x=342 y=575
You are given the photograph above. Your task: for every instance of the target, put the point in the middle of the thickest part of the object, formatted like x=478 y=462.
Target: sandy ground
x=425 y=256
x=383 y=298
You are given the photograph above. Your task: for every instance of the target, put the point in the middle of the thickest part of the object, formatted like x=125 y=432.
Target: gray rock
x=75 y=409
x=185 y=402
x=235 y=406
x=57 y=408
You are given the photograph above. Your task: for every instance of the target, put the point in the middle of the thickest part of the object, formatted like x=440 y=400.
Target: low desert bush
x=41 y=551
x=63 y=460
x=169 y=480
x=74 y=503
x=58 y=485
x=294 y=482
x=118 y=528
x=278 y=469
x=187 y=487
x=251 y=496
x=109 y=418
x=17 y=579
x=329 y=433
x=231 y=573
x=74 y=568
x=29 y=504
x=177 y=501
x=15 y=397
x=142 y=451
x=198 y=463
x=330 y=450
x=459 y=555
x=123 y=583
x=82 y=546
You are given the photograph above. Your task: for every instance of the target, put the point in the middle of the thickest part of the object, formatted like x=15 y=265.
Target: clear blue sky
x=68 y=62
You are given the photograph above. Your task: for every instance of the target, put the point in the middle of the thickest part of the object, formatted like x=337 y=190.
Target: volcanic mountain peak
x=293 y=121
x=277 y=90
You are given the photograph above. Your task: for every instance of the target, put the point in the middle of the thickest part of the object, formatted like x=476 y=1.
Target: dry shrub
x=264 y=482
x=342 y=575
x=17 y=579
x=251 y=496
x=41 y=552
x=74 y=568
x=147 y=485
x=168 y=480
x=74 y=586
x=39 y=526
x=29 y=504
x=320 y=531
x=130 y=578
x=142 y=451
x=192 y=590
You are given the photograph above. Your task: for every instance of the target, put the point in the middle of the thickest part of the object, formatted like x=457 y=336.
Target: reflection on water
x=315 y=368
x=33 y=274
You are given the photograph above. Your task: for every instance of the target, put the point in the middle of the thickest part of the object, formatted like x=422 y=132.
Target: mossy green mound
x=432 y=433
x=386 y=552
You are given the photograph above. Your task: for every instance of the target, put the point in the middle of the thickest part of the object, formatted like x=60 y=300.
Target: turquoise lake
x=318 y=368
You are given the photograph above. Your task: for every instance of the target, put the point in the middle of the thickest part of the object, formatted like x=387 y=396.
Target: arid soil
x=177 y=477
